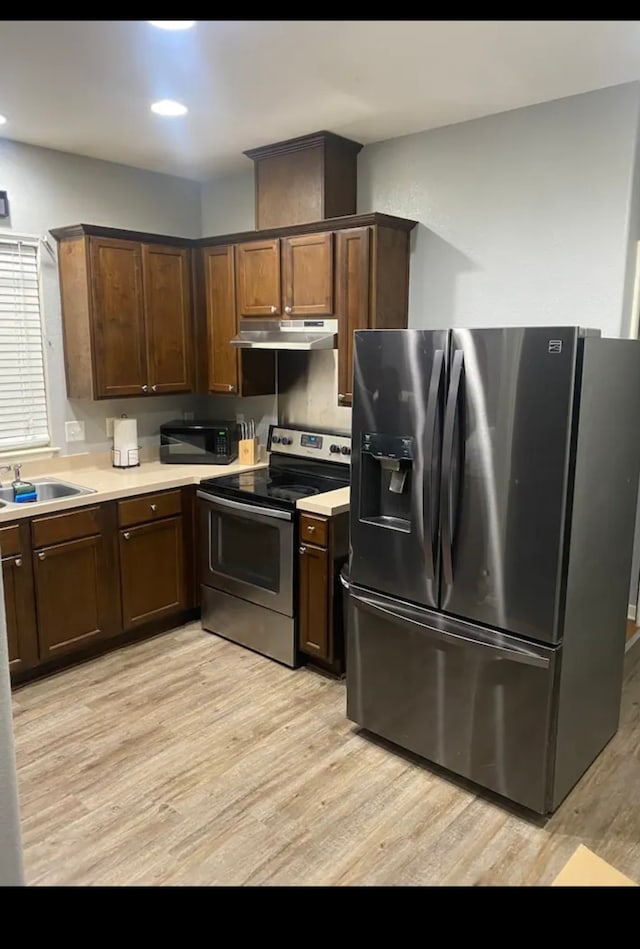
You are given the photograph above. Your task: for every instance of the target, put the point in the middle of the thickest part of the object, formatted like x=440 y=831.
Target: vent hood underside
x=286 y=334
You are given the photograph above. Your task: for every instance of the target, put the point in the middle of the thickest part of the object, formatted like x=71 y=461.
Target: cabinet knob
x=154 y=388
x=126 y=535
x=341 y=397
x=311 y=528
x=18 y=561
x=302 y=550
x=231 y=388
x=41 y=555
x=145 y=388
x=154 y=507
x=274 y=309
x=287 y=309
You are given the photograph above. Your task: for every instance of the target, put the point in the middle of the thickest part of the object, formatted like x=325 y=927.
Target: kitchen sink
x=48 y=489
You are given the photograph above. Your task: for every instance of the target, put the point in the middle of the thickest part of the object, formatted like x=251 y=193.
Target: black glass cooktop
x=273 y=488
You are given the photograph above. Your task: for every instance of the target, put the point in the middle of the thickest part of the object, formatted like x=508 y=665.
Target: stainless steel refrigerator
x=493 y=498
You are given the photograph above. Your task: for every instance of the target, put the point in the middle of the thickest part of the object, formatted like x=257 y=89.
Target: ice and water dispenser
x=385 y=486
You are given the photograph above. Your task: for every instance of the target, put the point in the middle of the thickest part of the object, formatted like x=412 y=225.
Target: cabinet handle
x=41 y=555
x=126 y=535
x=154 y=507
x=145 y=388
x=341 y=397
x=311 y=528
x=154 y=388
x=274 y=309
x=287 y=309
x=18 y=561
x=302 y=550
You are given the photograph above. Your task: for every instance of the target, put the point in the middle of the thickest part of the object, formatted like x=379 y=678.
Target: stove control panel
x=305 y=443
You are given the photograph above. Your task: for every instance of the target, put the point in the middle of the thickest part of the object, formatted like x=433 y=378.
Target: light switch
x=74 y=431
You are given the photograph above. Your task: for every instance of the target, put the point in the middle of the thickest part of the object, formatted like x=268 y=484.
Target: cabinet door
x=72 y=595
x=221 y=318
x=307 y=264
x=314 y=601
x=258 y=278
x=20 y=614
x=152 y=572
x=167 y=307
x=352 y=300
x=118 y=318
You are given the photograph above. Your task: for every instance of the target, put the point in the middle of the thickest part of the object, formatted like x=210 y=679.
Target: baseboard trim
x=631 y=642
x=631 y=612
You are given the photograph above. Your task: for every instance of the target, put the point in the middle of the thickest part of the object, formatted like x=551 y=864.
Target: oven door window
x=248 y=554
x=247 y=551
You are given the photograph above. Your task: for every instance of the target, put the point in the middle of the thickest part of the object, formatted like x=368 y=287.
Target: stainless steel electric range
x=249 y=539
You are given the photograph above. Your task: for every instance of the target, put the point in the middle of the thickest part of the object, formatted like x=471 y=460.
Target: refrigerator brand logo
x=555 y=345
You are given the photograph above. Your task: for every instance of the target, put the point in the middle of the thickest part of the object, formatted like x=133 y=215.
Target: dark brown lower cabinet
x=72 y=595
x=152 y=571
x=314 y=600
x=17 y=579
x=324 y=543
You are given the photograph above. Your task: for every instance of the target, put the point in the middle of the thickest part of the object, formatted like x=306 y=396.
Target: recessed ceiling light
x=173 y=24
x=3 y=119
x=169 y=107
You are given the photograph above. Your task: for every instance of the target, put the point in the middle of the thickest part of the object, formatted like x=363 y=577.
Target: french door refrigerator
x=493 y=499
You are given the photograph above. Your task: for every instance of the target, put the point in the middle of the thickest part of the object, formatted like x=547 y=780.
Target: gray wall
x=524 y=216
x=228 y=204
x=50 y=189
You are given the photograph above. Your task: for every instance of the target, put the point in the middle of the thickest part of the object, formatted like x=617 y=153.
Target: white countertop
x=108 y=483
x=327 y=504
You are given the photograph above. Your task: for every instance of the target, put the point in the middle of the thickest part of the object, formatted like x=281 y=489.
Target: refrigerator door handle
x=448 y=448
x=430 y=495
x=405 y=616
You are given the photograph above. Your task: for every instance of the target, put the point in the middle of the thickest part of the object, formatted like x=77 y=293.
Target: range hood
x=286 y=334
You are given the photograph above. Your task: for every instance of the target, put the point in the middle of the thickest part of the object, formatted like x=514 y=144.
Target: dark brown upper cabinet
x=307 y=267
x=258 y=278
x=372 y=289
x=225 y=369
x=126 y=314
x=167 y=299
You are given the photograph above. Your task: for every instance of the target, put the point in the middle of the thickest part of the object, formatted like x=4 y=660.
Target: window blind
x=23 y=400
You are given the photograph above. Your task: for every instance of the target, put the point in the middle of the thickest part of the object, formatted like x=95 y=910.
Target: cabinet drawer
x=315 y=530
x=56 y=528
x=149 y=507
x=10 y=541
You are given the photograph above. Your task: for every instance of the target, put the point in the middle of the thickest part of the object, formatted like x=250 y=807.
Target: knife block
x=248 y=451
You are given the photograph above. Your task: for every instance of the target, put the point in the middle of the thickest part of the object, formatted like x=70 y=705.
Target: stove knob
x=275 y=439
x=334 y=449
x=345 y=450
x=287 y=441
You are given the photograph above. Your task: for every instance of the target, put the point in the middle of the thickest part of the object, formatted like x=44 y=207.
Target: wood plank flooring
x=189 y=760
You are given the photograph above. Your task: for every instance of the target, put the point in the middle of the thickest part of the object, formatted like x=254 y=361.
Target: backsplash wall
x=308 y=384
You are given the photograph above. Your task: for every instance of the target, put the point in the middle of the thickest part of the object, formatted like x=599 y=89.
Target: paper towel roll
x=125 y=443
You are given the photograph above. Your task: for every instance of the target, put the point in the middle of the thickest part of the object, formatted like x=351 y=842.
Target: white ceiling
x=86 y=86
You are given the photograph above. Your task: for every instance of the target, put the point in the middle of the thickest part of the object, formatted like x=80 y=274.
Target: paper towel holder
x=125 y=452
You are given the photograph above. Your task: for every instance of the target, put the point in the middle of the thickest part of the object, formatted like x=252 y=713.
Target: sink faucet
x=16 y=472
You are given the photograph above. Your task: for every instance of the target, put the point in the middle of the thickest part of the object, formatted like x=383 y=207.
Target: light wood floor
x=188 y=760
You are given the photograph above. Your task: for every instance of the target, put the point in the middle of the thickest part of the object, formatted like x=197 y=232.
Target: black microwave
x=198 y=442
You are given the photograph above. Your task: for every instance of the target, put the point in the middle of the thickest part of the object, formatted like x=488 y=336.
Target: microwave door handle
x=246 y=508
x=430 y=494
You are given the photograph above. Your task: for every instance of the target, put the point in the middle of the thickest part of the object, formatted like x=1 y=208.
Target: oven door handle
x=246 y=508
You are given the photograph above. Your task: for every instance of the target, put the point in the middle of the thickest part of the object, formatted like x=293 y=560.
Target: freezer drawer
x=474 y=701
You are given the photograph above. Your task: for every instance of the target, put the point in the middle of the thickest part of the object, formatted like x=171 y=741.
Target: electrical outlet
x=188 y=416
x=239 y=416
x=109 y=426
x=74 y=431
